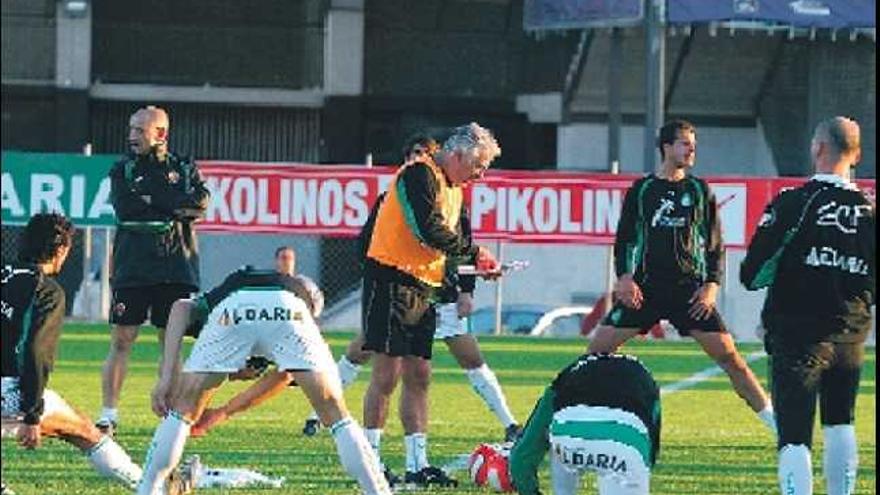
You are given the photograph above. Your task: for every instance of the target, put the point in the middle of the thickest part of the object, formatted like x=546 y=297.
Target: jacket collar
x=834 y=179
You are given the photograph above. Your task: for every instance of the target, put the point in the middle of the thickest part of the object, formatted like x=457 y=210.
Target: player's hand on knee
x=160 y=398
x=703 y=301
x=628 y=292
x=29 y=436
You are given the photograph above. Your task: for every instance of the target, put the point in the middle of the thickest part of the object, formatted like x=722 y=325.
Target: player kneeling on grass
x=600 y=414
x=32 y=315
x=251 y=313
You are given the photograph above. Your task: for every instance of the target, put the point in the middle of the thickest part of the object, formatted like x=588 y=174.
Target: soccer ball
x=488 y=466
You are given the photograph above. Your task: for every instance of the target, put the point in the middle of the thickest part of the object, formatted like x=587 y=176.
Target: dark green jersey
x=669 y=231
x=613 y=381
x=32 y=315
x=815 y=248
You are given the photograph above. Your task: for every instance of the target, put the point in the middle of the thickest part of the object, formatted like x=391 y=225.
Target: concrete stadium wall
x=720 y=150
x=815 y=80
x=223 y=253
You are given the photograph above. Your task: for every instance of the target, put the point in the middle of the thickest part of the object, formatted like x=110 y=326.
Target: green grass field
x=712 y=443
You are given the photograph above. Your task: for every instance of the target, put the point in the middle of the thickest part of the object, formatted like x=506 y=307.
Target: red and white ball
x=488 y=466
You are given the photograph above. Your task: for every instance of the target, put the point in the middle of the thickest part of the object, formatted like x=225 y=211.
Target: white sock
x=841 y=459
x=111 y=461
x=485 y=384
x=565 y=481
x=374 y=438
x=165 y=452
x=357 y=457
x=416 y=452
x=768 y=417
x=110 y=413
x=795 y=470
x=348 y=371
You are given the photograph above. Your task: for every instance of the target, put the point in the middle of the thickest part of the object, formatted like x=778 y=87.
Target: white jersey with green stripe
x=600 y=439
x=259 y=313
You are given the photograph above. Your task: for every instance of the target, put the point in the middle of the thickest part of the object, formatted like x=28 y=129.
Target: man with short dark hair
x=669 y=259
x=33 y=307
x=157 y=196
x=815 y=250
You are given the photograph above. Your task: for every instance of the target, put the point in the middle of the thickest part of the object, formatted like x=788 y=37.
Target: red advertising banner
x=519 y=206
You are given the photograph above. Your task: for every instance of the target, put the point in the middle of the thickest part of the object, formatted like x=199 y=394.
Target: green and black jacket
x=607 y=380
x=669 y=231
x=33 y=313
x=815 y=250
x=420 y=187
x=156 y=204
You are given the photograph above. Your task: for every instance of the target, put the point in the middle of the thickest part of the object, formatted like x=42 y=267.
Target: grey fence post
x=105 y=276
x=498 y=291
x=610 y=272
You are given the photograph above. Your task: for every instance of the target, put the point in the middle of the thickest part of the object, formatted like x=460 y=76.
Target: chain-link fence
x=331 y=262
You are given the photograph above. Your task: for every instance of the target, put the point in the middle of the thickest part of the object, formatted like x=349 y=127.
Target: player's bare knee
x=186 y=405
x=331 y=410
x=122 y=342
x=417 y=374
x=181 y=309
x=385 y=384
x=417 y=382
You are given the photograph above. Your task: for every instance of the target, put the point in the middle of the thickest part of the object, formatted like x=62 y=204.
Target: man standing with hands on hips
x=669 y=259
x=157 y=196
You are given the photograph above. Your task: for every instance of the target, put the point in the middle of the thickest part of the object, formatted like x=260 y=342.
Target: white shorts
x=448 y=322
x=274 y=324
x=610 y=442
x=11 y=410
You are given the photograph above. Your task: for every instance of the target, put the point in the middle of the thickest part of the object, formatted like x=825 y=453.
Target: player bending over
x=601 y=414
x=252 y=312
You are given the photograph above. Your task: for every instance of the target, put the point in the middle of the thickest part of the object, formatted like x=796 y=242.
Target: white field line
x=704 y=375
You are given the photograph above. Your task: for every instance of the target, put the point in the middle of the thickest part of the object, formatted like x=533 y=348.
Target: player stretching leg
x=251 y=313
x=32 y=316
x=669 y=258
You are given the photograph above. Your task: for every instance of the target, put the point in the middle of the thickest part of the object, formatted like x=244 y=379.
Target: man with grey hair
x=815 y=251
x=415 y=239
